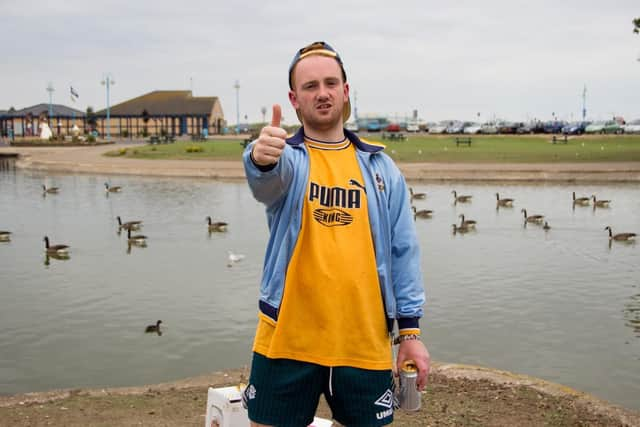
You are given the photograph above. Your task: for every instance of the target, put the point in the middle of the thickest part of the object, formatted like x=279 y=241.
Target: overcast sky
x=510 y=59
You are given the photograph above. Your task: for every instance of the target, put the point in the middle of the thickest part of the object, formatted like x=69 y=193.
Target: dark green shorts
x=283 y=392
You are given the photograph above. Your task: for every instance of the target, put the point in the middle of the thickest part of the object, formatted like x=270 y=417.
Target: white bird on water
x=233 y=258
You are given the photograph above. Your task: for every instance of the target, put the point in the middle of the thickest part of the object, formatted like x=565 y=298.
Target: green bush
x=194 y=149
x=122 y=151
x=91 y=138
x=125 y=133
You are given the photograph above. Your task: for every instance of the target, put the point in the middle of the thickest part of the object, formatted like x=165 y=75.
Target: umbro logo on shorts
x=386 y=401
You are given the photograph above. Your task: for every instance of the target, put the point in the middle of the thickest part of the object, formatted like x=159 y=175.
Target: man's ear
x=293 y=99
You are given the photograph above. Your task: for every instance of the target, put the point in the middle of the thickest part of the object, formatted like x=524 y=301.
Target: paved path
x=91 y=160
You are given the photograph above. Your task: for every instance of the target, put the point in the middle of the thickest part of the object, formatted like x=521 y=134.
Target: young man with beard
x=342 y=265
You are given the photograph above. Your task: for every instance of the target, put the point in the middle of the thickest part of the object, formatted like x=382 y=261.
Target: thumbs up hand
x=268 y=148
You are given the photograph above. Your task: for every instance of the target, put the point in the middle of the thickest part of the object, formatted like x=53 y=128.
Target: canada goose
x=422 y=213
x=546 y=226
x=5 y=236
x=460 y=229
x=233 y=258
x=55 y=249
x=504 y=202
x=50 y=190
x=216 y=226
x=137 y=239
x=621 y=237
x=533 y=218
x=110 y=189
x=583 y=201
x=415 y=196
x=600 y=203
x=153 y=328
x=461 y=199
x=468 y=223
x=130 y=225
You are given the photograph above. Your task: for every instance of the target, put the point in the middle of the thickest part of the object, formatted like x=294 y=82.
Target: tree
x=145 y=120
x=91 y=118
x=636 y=25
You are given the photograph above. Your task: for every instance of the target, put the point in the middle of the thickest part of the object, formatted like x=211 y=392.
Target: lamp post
x=50 y=89
x=237 y=88
x=107 y=81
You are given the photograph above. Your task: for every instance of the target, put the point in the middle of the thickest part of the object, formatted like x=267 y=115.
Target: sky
x=468 y=60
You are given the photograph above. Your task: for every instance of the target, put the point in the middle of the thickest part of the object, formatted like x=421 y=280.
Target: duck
x=62 y=250
x=506 y=202
x=112 y=189
x=416 y=196
x=580 y=200
x=5 y=236
x=137 y=239
x=621 y=237
x=130 y=225
x=153 y=328
x=50 y=190
x=219 y=226
x=600 y=203
x=468 y=223
x=460 y=229
x=422 y=213
x=546 y=226
x=461 y=199
x=532 y=218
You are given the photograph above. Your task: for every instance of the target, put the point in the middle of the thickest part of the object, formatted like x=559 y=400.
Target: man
x=342 y=264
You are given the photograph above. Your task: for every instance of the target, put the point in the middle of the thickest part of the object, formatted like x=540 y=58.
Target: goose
x=110 y=189
x=415 y=196
x=468 y=223
x=461 y=199
x=154 y=328
x=621 y=237
x=55 y=249
x=600 y=203
x=5 y=236
x=137 y=239
x=50 y=190
x=580 y=200
x=131 y=225
x=216 y=226
x=533 y=218
x=460 y=229
x=422 y=213
x=504 y=202
x=546 y=226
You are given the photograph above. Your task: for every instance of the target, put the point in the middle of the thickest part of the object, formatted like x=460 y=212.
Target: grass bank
x=436 y=148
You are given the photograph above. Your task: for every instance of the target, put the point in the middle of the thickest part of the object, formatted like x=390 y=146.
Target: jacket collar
x=361 y=145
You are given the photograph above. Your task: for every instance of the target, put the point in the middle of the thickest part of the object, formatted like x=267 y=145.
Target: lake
x=562 y=304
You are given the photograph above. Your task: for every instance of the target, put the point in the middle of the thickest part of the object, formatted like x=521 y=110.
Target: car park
x=576 y=128
x=454 y=127
x=439 y=127
x=489 y=128
x=471 y=128
x=632 y=127
x=553 y=126
x=609 y=126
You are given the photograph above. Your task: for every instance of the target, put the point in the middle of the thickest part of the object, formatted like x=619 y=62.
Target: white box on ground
x=224 y=409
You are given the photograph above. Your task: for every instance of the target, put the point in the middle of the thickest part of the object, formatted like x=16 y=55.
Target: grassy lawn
x=428 y=148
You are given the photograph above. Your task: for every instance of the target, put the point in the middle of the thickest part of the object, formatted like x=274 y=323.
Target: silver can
x=409 y=397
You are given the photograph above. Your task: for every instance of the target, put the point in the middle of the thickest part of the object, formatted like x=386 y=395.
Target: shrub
x=91 y=138
x=194 y=149
x=122 y=151
x=125 y=133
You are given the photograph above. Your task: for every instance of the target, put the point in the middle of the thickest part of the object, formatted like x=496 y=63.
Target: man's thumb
x=277 y=116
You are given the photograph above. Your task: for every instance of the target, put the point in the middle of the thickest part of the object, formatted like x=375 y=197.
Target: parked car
x=609 y=126
x=392 y=127
x=352 y=126
x=576 y=128
x=413 y=127
x=374 y=126
x=489 y=128
x=632 y=127
x=507 y=127
x=553 y=126
x=439 y=128
x=471 y=128
x=455 y=127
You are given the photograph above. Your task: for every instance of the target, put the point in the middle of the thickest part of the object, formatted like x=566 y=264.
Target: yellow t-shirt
x=332 y=312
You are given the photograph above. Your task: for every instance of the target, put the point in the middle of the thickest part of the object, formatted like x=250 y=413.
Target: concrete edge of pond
x=449 y=370
x=91 y=160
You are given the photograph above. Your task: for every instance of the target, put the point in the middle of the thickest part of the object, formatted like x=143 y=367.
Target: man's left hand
x=415 y=350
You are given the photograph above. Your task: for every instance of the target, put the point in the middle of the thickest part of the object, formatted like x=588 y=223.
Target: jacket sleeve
x=268 y=185
x=406 y=272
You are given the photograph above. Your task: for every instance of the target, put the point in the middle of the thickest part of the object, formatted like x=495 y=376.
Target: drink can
x=409 y=397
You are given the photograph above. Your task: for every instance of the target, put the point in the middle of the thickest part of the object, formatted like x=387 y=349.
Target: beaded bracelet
x=406 y=337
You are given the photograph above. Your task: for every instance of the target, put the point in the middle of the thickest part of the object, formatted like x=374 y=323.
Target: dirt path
x=456 y=395
x=91 y=160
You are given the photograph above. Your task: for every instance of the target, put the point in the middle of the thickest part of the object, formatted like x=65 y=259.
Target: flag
x=74 y=94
